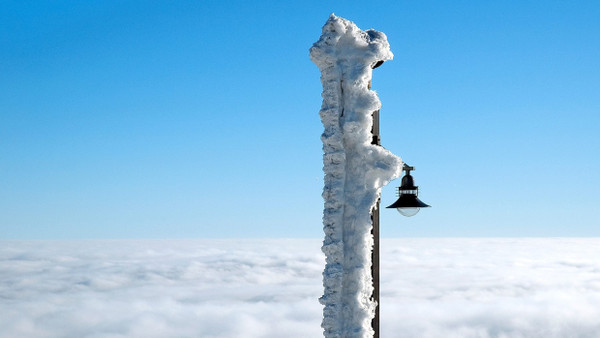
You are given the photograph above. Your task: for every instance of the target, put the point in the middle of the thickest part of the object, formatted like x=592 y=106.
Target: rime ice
x=355 y=170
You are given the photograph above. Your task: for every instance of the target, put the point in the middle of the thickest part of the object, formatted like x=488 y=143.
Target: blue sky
x=158 y=119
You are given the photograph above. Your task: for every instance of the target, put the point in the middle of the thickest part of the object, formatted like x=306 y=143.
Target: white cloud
x=491 y=287
x=196 y=288
x=269 y=288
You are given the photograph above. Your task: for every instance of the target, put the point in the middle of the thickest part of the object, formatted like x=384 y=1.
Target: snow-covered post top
x=343 y=40
x=355 y=170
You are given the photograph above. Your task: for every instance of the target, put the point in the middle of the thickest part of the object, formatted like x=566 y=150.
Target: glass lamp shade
x=408 y=212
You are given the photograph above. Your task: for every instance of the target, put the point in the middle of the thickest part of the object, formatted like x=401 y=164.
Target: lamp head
x=408 y=204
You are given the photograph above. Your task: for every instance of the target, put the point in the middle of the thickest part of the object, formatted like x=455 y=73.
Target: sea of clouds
x=269 y=288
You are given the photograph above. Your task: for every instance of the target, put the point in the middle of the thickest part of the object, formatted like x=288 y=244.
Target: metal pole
x=375 y=268
x=375 y=232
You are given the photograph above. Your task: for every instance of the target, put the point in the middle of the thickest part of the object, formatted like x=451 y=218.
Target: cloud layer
x=491 y=288
x=269 y=288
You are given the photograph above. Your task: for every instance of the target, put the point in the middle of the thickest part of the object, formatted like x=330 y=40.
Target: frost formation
x=355 y=170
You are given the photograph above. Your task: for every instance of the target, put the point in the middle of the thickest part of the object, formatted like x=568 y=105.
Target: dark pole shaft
x=375 y=232
x=375 y=268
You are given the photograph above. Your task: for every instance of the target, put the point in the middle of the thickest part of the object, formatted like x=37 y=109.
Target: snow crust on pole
x=355 y=170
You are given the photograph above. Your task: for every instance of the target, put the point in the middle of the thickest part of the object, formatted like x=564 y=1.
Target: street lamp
x=408 y=204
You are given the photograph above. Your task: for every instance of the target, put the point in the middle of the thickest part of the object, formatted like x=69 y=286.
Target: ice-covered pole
x=355 y=170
